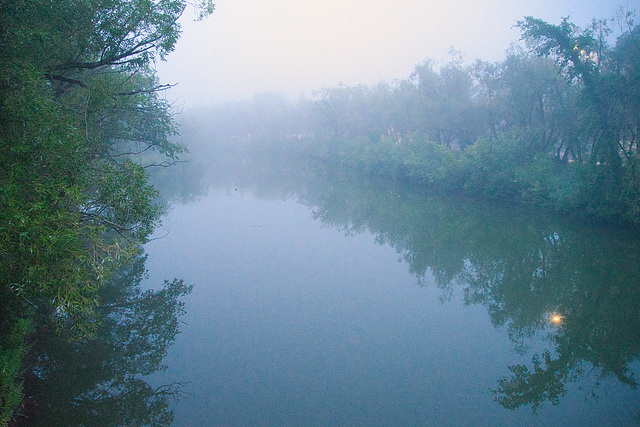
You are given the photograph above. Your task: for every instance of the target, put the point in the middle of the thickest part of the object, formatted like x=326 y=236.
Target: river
x=326 y=298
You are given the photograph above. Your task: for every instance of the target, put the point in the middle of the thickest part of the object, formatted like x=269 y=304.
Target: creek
x=326 y=298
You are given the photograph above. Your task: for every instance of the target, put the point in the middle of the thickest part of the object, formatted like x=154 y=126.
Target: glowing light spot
x=556 y=318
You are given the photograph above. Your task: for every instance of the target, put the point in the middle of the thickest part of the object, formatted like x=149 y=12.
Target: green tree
x=608 y=76
x=446 y=112
x=80 y=101
x=81 y=120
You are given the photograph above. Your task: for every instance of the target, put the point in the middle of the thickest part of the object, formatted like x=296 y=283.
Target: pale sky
x=296 y=47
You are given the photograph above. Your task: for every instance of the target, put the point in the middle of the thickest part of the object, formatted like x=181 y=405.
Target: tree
x=81 y=100
x=608 y=76
x=81 y=118
x=447 y=114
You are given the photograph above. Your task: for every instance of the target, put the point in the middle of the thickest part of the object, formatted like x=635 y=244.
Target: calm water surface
x=320 y=299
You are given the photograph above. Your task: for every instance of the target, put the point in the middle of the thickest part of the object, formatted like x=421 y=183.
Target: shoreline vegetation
x=82 y=121
x=554 y=124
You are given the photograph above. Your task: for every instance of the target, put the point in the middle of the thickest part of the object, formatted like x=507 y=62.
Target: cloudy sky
x=297 y=46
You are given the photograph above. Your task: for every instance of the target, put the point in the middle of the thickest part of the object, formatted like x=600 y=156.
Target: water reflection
x=556 y=318
x=574 y=286
x=100 y=381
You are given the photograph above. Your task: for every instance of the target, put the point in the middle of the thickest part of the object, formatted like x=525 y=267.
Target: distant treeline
x=555 y=124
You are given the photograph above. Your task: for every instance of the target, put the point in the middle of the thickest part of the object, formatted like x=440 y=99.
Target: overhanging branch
x=80 y=83
x=158 y=88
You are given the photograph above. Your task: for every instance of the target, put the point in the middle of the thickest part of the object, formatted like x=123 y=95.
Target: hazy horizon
x=295 y=48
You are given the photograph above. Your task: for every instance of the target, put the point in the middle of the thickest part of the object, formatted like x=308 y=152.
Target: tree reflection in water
x=523 y=271
x=99 y=381
x=576 y=287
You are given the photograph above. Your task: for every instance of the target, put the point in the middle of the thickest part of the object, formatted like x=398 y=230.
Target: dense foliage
x=81 y=120
x=555 y=124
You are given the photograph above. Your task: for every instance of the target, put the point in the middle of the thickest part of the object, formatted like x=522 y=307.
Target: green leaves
x=12 y=351
x=80 y=120
x=122 y=201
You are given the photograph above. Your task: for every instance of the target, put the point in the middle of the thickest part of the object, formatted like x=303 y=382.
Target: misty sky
x=298 y=46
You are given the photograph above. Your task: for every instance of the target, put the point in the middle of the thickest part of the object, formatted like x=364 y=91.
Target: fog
x=297 y=47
